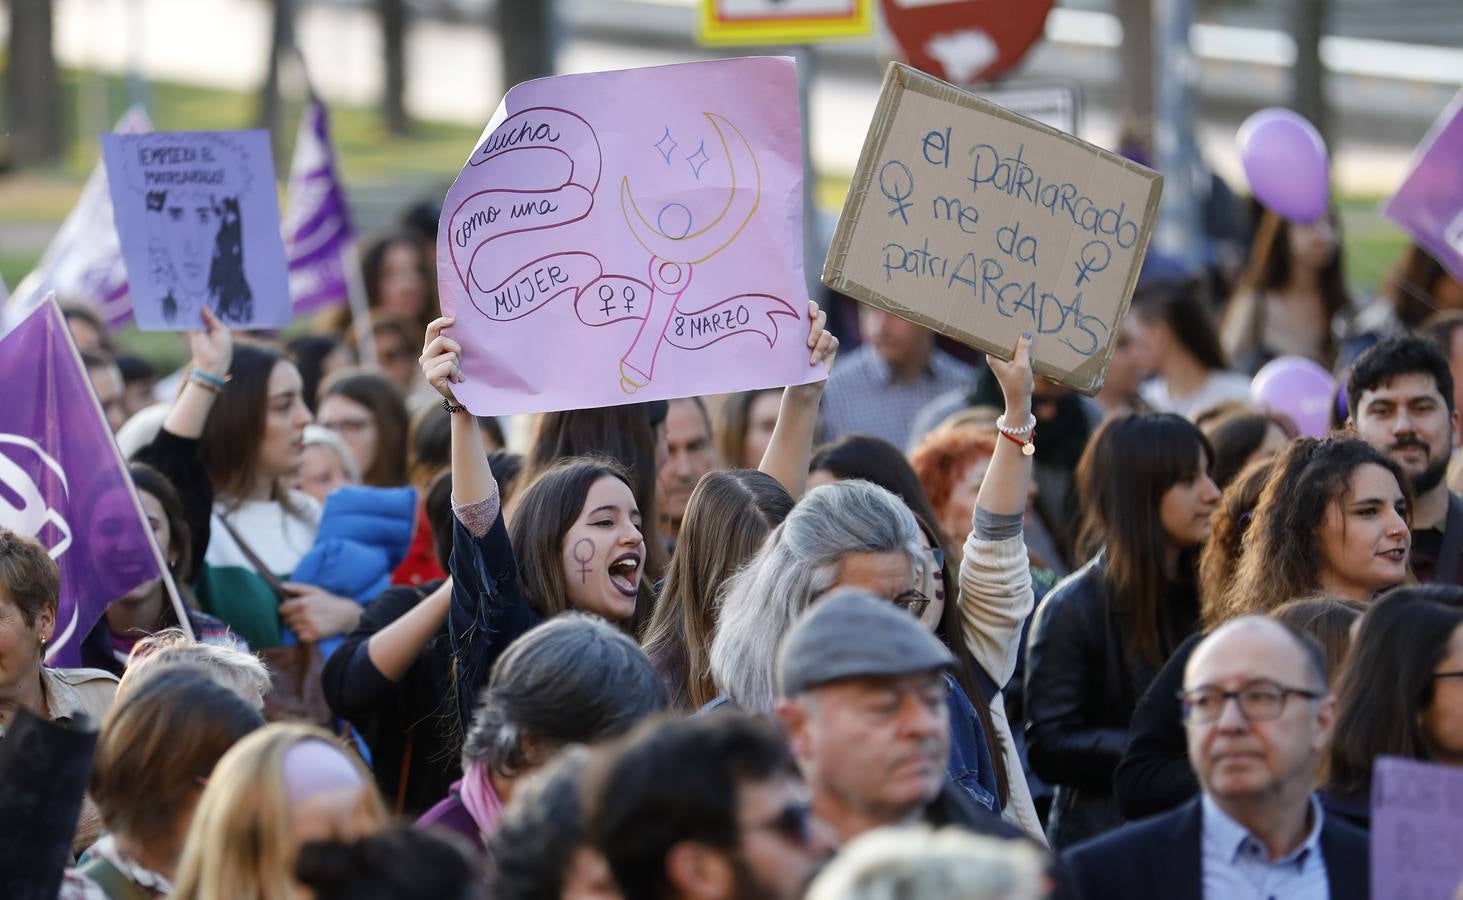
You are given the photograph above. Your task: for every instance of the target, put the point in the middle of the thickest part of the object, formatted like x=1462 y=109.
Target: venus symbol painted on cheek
x=583 y=553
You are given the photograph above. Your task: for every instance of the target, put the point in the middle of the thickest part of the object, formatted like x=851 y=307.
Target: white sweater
x=995 y=599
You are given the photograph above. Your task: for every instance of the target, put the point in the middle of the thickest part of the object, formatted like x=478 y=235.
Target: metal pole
x=1177 y=156
x=812 y=244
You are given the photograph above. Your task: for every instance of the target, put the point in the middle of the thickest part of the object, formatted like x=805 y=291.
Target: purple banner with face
x=62 y=480
x=317 y=225
x=1429 y=205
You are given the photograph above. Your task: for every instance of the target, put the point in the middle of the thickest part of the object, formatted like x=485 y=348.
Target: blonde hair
x=236 y=669
x=893 y=863
x=241 y=846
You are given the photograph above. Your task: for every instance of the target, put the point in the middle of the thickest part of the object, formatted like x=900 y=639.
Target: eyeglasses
x=794 y=823
x=1448 y=674
x=1259 y=701
x=913 y=602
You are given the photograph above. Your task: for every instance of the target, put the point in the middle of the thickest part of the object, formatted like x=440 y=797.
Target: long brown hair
x=1282 y=551
x=729 y=515
x=732 y=424
x=623 y=434
x=1220 y=557
x=230 y=445
x=1269 y=270
x=379 y=395
x=546 y=511
x=1127 y=467
x=1389 y=682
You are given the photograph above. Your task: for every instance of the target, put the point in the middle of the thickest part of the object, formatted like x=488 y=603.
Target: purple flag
x=317 y=227
x=84 y=261
x=1429 y=205
x=62 y=480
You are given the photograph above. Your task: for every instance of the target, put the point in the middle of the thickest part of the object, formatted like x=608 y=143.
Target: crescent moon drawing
x=741 y=202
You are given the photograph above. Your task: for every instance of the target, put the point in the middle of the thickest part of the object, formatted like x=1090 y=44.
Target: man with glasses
x=863 y=702
x=1258 y=715
x=709 y=808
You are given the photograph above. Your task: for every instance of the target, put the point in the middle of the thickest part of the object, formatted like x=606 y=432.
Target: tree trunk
x=33 y=91
x=393 y=46
x=523 y=33
x=1135 y=57
x=1308 y=90
x=281 y=43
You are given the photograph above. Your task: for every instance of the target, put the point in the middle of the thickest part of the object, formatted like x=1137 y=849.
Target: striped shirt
x=865 y=396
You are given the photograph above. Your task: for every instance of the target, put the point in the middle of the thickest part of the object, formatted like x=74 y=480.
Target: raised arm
x=791 y=445
x=487 y=611
x=995 y=577
x=174 y=452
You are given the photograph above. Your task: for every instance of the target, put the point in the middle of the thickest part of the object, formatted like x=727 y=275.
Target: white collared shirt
x=1237 y=865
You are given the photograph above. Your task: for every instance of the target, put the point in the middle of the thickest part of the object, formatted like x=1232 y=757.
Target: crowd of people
x=930 y=628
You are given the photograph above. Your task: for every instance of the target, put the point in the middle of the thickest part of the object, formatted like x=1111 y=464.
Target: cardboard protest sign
x=975 y=222
x=63 y=482
x=1429 y=205
x=199 y=225
x=627 y=236
x=1417 y=811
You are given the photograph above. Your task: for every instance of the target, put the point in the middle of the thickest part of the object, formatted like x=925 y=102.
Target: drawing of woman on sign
x=195 y=230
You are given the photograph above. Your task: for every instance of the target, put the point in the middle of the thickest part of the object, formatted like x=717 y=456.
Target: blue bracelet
x=211 y=379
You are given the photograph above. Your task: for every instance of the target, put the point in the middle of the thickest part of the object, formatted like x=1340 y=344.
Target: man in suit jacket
x=1258 y=716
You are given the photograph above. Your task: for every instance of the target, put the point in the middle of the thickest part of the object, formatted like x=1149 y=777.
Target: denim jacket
x=970 y=763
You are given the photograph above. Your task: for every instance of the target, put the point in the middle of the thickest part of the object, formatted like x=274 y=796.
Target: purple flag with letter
x=317 y=226
x=1429 y=205
x=62 y=480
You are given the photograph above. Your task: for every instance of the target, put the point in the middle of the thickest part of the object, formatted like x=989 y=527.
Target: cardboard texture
x=980 y=224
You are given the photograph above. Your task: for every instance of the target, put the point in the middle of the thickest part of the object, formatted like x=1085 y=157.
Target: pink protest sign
x=627 y=236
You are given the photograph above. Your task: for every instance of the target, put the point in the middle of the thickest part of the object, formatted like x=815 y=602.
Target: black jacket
x=1161 y=859
x=1155 y=775
x=1081 y=687
x=410 y=725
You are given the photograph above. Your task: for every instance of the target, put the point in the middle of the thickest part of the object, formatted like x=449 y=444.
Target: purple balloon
x=1299 y=388
x=1286 y=162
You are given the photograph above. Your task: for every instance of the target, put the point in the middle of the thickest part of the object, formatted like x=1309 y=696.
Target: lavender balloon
x=1299 y=388
x=1286 y=163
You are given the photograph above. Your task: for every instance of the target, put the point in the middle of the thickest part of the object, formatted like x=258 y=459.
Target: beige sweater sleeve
x=995 y=599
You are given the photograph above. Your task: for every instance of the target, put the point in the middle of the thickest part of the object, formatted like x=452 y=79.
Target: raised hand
x=213 y=347
x=441 y=358
x=821 y=341
x=1015 y=378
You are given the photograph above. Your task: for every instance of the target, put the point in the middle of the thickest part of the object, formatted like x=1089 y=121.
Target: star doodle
x=698 y=160
x=670 y=145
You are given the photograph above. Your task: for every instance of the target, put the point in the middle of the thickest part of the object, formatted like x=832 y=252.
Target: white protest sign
x=980 y=224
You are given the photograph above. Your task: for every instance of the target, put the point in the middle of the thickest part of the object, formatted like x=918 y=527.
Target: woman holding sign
x=576 y=541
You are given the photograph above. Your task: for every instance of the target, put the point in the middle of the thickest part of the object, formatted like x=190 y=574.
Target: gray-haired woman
x=572 y=680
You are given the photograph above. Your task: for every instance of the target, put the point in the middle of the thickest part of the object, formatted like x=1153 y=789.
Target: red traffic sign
x=964 y=41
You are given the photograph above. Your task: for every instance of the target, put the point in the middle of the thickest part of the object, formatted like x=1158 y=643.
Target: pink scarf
x=479 y=799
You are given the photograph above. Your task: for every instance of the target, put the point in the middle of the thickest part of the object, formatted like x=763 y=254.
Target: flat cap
x=853 y=633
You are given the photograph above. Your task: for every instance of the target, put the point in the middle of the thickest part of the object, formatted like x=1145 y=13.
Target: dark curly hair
x=1282 y=559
